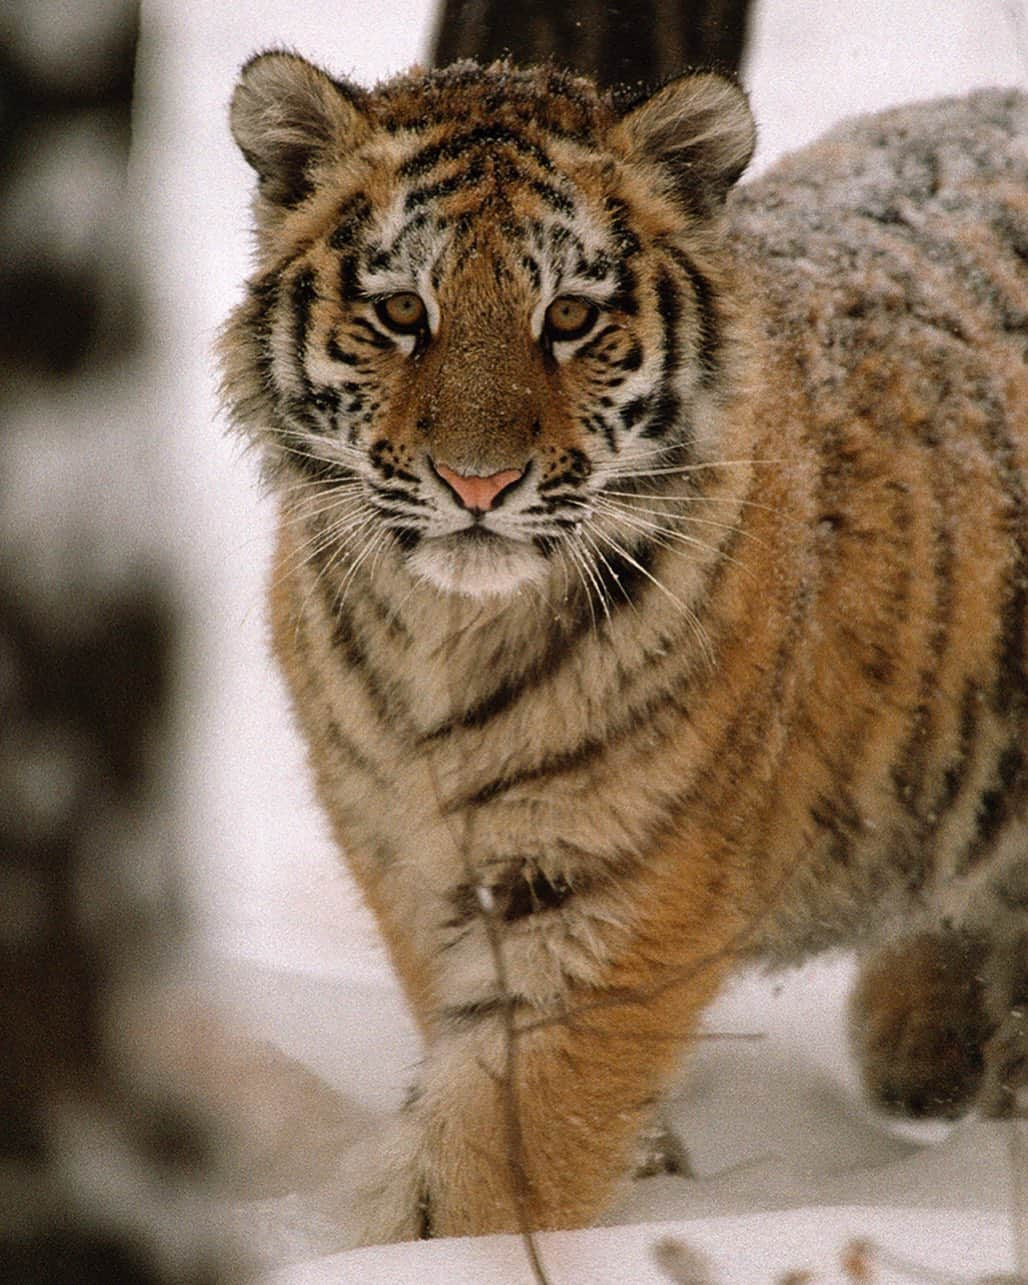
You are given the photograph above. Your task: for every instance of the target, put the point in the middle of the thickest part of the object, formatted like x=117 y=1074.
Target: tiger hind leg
x=1005 y=1088
x=919 y=1024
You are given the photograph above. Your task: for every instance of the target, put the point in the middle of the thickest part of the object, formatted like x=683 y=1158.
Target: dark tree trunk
x=88 y=644
x=628 y=43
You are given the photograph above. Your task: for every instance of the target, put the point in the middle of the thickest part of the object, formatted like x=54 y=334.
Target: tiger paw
x=391 y=1202
x=918 y=1026
x=660 y=1150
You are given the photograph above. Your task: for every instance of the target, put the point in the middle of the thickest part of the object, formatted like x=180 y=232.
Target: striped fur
x=735 y=669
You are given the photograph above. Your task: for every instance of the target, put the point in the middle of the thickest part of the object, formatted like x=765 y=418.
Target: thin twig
x=520 y=1183
x=506 y=1082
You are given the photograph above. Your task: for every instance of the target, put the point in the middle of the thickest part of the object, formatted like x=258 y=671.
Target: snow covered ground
x=789 y=1162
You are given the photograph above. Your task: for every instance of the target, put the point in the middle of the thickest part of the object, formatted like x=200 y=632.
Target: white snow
x=790 y=1163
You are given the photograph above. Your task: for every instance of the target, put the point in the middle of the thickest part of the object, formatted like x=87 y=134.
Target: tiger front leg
x=527 y=1115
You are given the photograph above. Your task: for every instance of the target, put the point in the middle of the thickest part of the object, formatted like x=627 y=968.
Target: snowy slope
x=789 y=1162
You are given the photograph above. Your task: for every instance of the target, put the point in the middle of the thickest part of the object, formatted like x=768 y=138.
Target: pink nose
x=478 y=492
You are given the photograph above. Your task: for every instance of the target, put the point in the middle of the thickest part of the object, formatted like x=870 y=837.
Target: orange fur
x=616 y=735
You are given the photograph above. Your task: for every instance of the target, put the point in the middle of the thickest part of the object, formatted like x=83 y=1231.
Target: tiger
x=650 y=586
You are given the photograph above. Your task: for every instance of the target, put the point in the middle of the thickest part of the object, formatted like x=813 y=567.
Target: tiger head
x=488 y=301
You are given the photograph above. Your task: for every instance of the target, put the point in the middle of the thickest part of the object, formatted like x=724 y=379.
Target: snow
x=745 y=1248
x=790 y=1164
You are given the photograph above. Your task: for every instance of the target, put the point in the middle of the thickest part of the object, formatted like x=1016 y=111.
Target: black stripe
x=398 y=495
x=380 y=257
x=910 y=767
x=1010 y=692
x=623 y=577
x=556 y=653
x=326 y=399
x=338 y=740
x=596 y=341
x=264 y=291
x=290 y=410
x=626 y=242
x=543 y=99
x=302 y=293
x=429 y=192
x=462 y=1016
x=999 y=804
x=669 y=309
x=346 y=637
x=880 y=662
x=348 y=276
x=598 y=423
x=665 y=415
x=552 y=766
x=369 y=335
x=355 y=758
x=454 y=148
x=621 y=583
x=425 y=1227
x=560 y=236
x=595 y=269
x=626 y=247
x=624 y=297
x=642 y=717
x=838 y=816
x=574 y=468
x=553 y=197
x=956 y=774
x=632 y=412
x=708 y=317
x=342 y=355
x=663 y=410
x=406 y=537
x=531 y=266
x=388 y=617
x=352 y=215
x=632 y=359
x=585 y=752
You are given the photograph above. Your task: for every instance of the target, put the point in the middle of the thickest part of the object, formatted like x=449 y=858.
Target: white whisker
x=590 y=581
x=661 y=534
x=641 y=515
x=693 y=621
x=619 y=474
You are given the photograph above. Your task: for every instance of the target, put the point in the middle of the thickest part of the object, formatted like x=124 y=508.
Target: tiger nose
x=478 y=493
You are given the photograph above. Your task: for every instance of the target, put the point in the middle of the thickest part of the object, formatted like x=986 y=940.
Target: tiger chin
x=650 y=586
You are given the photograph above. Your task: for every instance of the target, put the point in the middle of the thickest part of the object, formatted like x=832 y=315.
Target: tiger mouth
x=478 y=534
x=476 y=562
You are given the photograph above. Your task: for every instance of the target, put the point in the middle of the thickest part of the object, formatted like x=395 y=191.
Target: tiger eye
x=403 y=312
x=569 y=318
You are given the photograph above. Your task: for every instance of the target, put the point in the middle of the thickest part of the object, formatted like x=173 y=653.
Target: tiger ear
x=699 y=129
x=288 y=116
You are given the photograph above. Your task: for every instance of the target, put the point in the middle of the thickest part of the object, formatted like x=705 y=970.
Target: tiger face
x=488 y=321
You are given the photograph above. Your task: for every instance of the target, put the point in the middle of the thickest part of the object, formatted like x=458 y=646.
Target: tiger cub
x=650 y=584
